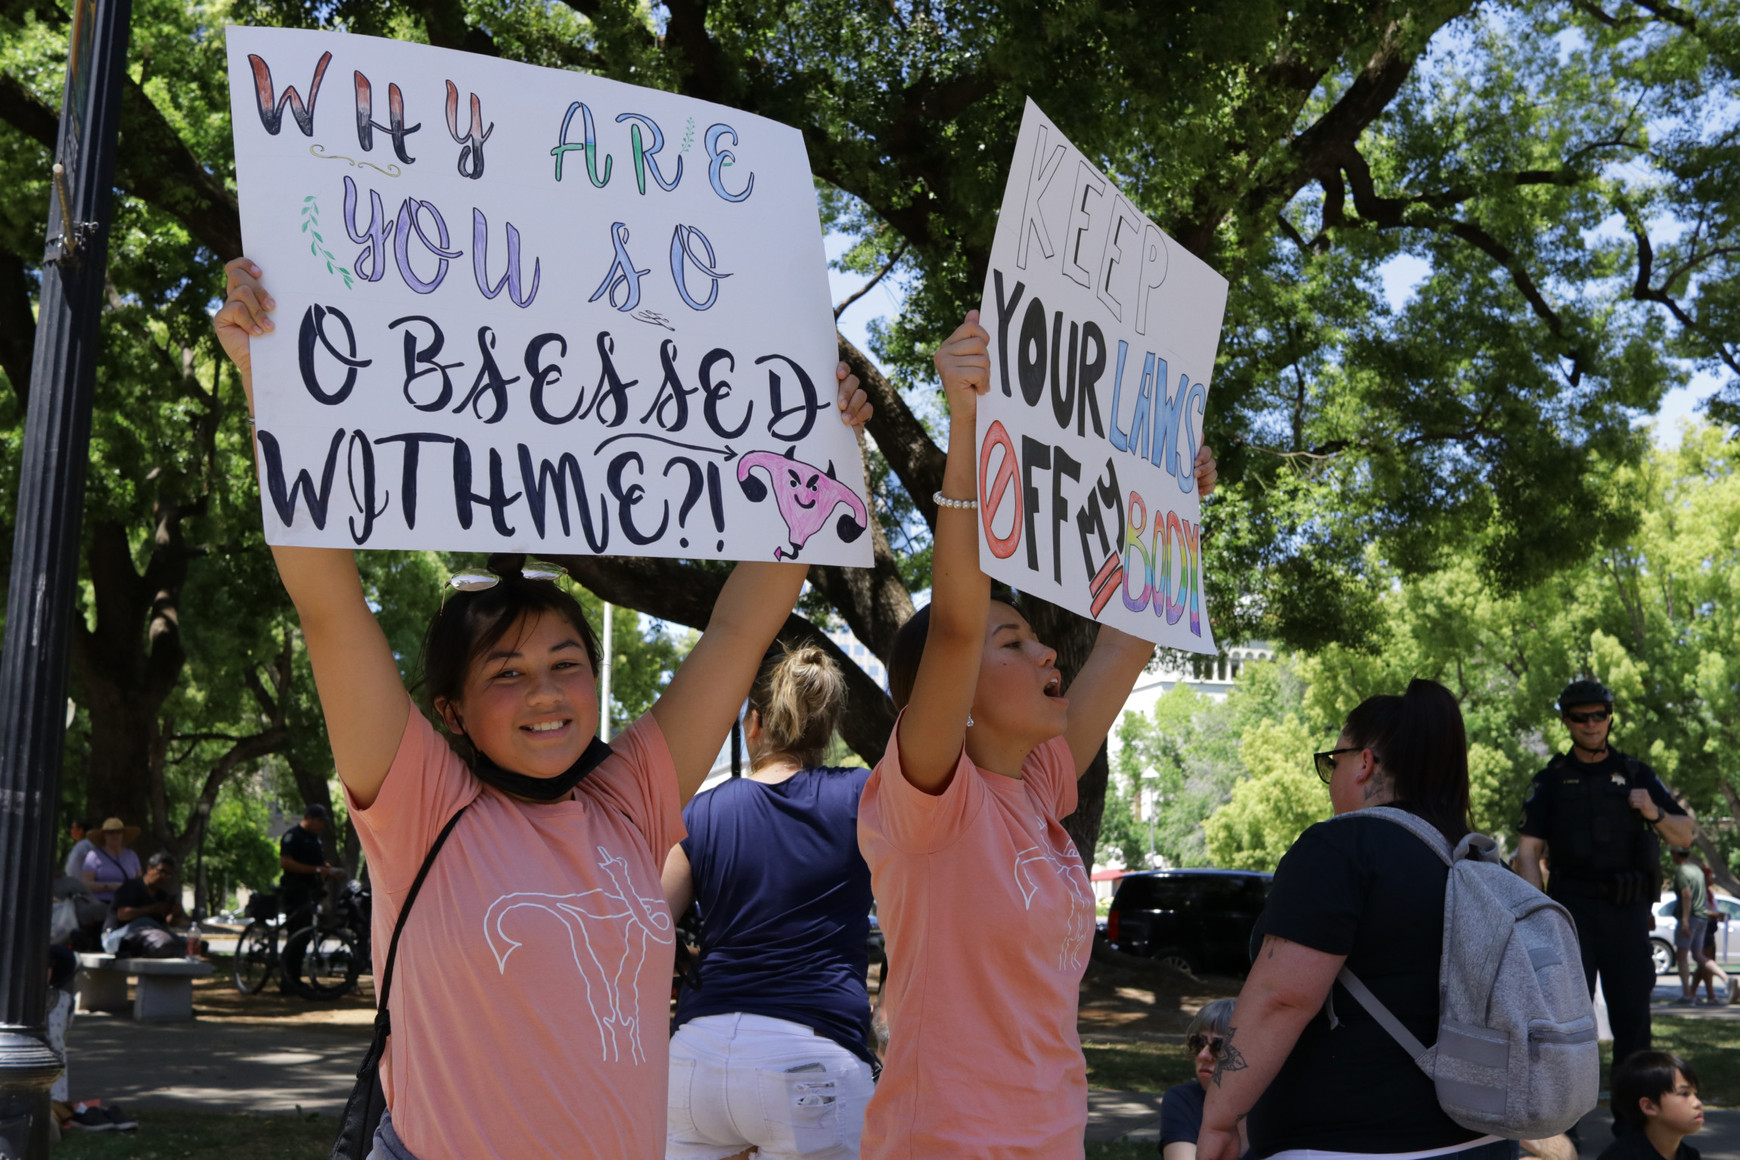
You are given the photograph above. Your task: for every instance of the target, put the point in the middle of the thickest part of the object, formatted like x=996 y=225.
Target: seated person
x=110 y=862
x=142 y=913
x=1655 y=1092
x=1181 y=1107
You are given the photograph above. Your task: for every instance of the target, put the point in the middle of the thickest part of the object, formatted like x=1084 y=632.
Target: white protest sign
x=526 y=309
x=1103 y=337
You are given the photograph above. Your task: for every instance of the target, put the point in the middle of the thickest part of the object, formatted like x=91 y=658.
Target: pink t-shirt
x=531 y=1002
x=989 y=918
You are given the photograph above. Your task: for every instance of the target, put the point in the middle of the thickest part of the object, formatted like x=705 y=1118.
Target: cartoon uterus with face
x=806 y=494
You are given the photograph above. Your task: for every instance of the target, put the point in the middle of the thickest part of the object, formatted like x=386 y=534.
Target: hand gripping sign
x=527 y=309
x=1103 y=337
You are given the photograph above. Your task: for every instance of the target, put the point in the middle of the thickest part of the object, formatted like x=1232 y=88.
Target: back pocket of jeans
x=801 y=1107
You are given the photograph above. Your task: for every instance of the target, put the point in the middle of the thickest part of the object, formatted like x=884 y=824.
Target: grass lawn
x=1137 y=1066
x=1710 y=1045
x=1145 y=1151
x=166 y=1135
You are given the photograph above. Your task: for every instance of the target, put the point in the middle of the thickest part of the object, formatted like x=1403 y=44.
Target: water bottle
x=193 y=946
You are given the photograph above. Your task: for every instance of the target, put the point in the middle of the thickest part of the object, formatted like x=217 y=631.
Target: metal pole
x=604 y=676
x=201 y=895
x=39 y=603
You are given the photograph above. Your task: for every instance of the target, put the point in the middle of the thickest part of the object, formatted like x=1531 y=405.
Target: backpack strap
x=1386 y=1018
x=1413 y=823
x=382 y=1022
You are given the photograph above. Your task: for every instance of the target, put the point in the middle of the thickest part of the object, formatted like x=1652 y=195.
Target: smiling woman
x=556 y=856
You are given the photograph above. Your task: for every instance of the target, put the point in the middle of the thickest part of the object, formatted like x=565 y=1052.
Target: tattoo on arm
x=1230 y=1057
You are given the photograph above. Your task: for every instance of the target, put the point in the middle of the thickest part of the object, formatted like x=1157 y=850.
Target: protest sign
x=526 y=309
x=1103 y=337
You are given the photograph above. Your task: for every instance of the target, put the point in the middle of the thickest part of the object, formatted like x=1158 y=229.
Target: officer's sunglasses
x=1596 y=715
x=1325 y=761
x=1199 y=1041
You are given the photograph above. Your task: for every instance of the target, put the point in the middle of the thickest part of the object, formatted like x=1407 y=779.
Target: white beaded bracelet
x=942 y=500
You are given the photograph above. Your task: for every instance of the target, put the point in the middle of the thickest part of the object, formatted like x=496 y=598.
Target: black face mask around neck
x=539 y=789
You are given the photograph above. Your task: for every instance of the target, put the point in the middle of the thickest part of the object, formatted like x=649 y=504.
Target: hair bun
x=507 y=565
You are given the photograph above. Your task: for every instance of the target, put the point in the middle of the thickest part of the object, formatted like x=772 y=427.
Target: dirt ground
x=1123 y=997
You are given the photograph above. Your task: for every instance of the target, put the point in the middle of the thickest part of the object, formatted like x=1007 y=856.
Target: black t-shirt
x=1368 y=889
x=1535 y=823
x=1634 y=1145
x=132 y=892
x=1181 y=1114
x=304 y=847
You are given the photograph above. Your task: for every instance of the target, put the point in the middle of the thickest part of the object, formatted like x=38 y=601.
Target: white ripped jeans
x=741 y=1080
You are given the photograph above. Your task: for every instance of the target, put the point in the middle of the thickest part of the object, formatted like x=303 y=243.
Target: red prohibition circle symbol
x=992 y=492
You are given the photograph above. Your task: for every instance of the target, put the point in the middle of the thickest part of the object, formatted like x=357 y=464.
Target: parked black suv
x=1198 y=921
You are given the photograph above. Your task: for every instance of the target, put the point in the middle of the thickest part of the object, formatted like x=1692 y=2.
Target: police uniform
x=1605 y=868
x=300 y=890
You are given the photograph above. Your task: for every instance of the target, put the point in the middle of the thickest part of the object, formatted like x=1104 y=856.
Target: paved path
x=215 y=1066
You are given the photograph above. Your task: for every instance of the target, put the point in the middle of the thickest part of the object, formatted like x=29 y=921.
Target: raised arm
x=361 y=693
x=933 y=727
x=696 y=711
x=1098 y=693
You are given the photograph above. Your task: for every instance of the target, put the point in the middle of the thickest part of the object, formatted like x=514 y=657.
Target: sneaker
x=1733 y=989
x=91 y=1118
x=121 y=1120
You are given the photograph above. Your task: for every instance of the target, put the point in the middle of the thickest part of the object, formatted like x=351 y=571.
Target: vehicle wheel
x=1663 y=956
x=330 y=963
x=1177 y=960
x=254 y=958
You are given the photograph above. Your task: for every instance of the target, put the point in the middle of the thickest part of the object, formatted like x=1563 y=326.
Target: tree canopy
x=1563 y=173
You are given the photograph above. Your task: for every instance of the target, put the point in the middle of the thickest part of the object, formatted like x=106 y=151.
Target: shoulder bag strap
x=405 y=912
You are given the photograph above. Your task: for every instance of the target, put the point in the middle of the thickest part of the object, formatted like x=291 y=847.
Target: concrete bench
x=163 y=994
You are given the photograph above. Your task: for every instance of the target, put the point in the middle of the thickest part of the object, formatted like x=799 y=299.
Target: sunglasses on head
x=1596 y=715
x=1325 y=761
x=482 y=579
x=1199 y=1041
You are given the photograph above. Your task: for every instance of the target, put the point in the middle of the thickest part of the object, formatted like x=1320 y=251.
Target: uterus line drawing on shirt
x=1072 y=949
x=610 y=931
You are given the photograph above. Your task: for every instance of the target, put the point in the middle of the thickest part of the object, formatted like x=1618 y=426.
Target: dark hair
x=1646 y=1075
x=1420 y=741
x=161 y=858
x=799 y=693
x=470 y=623
x=316 y=810
x=908 y=647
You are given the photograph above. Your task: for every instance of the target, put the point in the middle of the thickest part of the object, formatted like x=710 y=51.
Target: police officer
x=303 y=861
x=1599 y=816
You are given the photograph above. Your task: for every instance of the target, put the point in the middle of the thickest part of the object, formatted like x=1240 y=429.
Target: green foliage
x=239 y=849
x=1272 y=807
x=1189 y=753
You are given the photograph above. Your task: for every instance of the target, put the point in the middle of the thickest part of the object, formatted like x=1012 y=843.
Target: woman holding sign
x=962 y=814
x=529 y=1008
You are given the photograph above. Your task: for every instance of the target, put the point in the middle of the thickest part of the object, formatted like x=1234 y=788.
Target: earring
x=969 y=720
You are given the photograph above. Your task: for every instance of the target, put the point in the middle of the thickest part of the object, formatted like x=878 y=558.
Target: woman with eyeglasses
x=1181 y=1106
x=1367 y=894
x=529 y=1005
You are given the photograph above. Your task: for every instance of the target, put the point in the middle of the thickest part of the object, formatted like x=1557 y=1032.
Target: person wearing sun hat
x=111 y=862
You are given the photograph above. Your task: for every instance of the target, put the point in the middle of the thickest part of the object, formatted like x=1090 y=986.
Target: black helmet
x=1585 y=692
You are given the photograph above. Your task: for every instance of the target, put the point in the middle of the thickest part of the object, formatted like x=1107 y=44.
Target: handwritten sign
x=527 y=309
x=1103 y=337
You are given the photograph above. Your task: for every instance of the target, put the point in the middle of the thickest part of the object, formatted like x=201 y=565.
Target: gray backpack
x=1516 y=1053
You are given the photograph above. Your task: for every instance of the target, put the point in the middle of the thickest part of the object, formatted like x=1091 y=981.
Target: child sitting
x=1655 y=1092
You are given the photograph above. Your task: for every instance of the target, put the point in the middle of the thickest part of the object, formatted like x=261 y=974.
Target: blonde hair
x=799 y=694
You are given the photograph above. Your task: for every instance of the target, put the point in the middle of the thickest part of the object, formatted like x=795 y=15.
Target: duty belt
x=1624 y=888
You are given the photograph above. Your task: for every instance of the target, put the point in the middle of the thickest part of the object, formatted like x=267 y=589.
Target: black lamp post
x=51 y=491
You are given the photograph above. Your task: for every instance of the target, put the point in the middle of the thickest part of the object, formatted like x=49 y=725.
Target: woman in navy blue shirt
x=771 y=1049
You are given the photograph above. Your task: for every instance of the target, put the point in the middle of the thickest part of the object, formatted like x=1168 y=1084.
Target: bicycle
x=258 y=958
x=336 y=949
x=257 y=949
